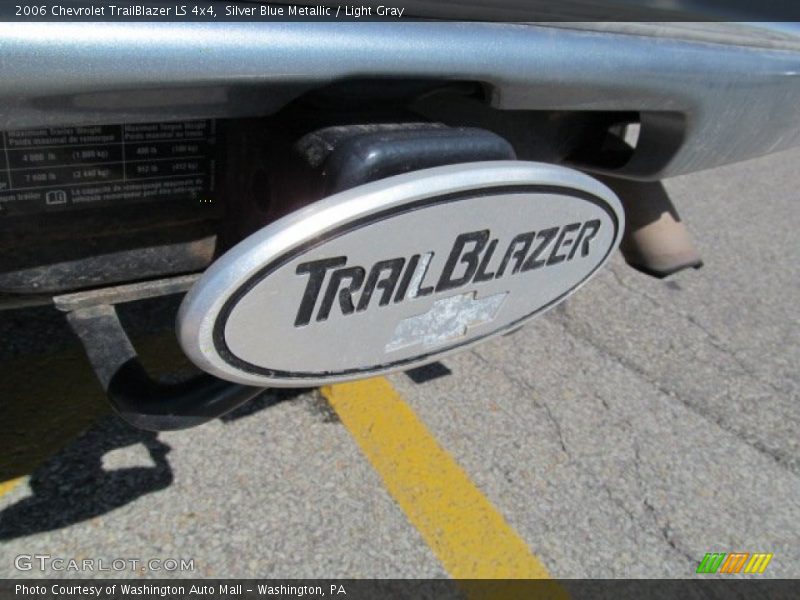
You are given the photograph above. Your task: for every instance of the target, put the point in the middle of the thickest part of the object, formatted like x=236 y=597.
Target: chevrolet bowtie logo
x=447 y=319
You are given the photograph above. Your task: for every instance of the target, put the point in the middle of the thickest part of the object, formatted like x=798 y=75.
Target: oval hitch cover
x=398 y=272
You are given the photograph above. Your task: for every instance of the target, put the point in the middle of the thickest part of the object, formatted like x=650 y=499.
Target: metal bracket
x=135 y=396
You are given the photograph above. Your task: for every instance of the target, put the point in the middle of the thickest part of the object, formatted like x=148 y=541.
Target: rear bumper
x=701 y=104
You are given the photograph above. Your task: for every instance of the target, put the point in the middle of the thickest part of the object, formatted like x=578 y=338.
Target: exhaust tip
x=655 y=242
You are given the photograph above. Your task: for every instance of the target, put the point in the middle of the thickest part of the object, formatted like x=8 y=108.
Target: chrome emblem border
x=205 y=311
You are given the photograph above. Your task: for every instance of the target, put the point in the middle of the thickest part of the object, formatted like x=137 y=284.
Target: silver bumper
x=701 y=104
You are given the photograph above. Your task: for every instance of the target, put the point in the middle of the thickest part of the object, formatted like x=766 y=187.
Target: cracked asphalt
x=624 y=434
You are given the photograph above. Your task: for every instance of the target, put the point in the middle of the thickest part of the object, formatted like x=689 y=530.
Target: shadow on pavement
x=266 y=400
x=55 y=424
x=429 y=372
x=73 y=486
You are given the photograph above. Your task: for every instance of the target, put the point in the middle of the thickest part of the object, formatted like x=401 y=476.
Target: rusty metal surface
x=125 y=293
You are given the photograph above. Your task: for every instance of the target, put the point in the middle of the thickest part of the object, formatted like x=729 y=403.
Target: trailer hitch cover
x=398 y=272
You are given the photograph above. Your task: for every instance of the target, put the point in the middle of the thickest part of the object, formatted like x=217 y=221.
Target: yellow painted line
x=464 y=530
x=8 y=486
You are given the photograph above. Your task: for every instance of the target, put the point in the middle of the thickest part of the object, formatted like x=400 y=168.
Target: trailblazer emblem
x=398 y=272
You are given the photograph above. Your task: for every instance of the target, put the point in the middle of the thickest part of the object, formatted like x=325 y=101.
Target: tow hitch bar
x=136 y=397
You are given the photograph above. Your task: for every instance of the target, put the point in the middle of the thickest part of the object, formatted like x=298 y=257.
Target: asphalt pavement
x=626 y=433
